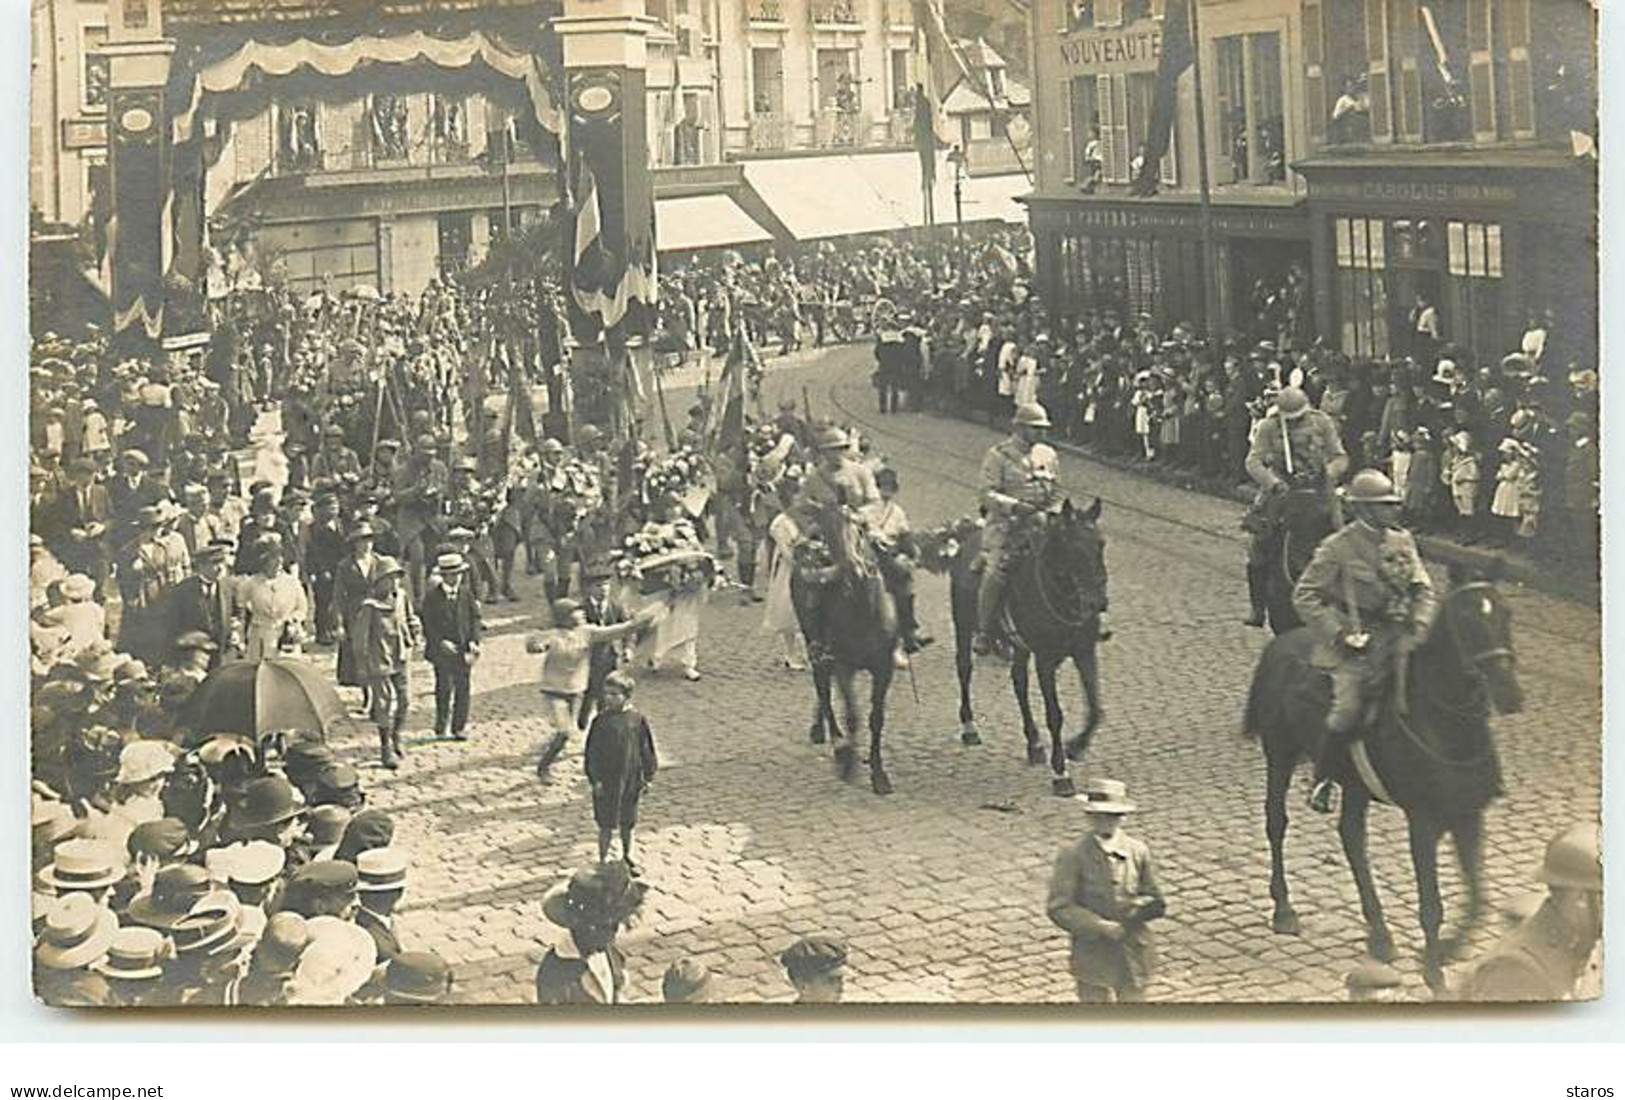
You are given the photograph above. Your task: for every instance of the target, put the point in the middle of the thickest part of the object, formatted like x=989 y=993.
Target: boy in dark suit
x=451 y=640
x=620 y=764
x=601 y=609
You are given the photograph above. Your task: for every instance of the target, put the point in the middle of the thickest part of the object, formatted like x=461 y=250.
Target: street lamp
x=956 y=157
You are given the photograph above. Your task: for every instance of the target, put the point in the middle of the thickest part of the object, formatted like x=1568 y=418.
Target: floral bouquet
x=939 y=548
x=1394 y=570
x=665 y=557
x=577 y=489
x=676 y=475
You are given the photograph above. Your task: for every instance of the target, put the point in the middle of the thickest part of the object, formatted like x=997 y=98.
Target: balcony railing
x=838 y=129
x=835 y=12
x=769 y=133
x=766 y=11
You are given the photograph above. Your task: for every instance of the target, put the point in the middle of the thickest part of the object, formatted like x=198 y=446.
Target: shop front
x=1145 y=256
x=1488 y=241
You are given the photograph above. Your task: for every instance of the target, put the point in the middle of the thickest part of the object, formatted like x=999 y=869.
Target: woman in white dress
x=779 y=616
x=273 y=602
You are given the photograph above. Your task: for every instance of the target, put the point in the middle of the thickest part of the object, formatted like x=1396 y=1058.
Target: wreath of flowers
x=939 y=547
x=577 y=488
x=675 y=475
x=665 y=555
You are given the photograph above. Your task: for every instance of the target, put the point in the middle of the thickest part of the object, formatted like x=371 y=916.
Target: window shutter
x=1108 y=132
x=1072 y=142
x=1376 y=54
x=1122 y=145
x=1520 y=71
x=1407 y=35
x=1314 y=70
x=1170 y=160
x=1108 y=13
x=1481 y=68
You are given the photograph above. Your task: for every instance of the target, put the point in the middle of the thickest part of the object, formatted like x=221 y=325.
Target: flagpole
x=1210 y=249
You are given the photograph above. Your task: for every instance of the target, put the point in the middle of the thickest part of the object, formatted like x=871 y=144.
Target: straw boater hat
x=380 y=869
x=81 y=864
x=1105 y=796
x=213 y=927
x=336 y=963
x=450 y=562
x=77 y=933
x=136 y=954
x=78 y=587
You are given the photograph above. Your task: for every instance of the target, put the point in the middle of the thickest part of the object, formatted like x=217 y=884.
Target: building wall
x=414 y=253
x=67 y=127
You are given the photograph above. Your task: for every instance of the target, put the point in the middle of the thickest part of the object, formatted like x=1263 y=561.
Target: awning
x=874 y=193
x=704 y=221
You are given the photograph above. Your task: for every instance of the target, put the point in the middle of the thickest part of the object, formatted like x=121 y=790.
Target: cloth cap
x=165 y=838
x=812 y=955
x=416 y=977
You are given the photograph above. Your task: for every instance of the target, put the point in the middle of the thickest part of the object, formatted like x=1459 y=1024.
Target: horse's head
x=1074 y=548
x=1478 y=624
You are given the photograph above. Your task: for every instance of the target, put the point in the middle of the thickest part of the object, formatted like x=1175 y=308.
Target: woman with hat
x=272 y=603
x=588 y=968
x=80 y=616
x=384 y=633
x=779 y=615
x=1104 y=893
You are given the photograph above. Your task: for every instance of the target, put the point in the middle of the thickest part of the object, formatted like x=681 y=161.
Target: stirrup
x=1323 y=796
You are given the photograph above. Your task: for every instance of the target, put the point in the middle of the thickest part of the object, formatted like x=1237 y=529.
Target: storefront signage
x=1188 y=221
x=1439 y=192
x=1117 y=51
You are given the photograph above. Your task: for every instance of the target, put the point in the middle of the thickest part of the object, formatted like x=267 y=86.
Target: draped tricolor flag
x=1178 y=54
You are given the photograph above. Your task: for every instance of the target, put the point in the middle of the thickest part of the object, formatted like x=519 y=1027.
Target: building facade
x=67 y=109
x=1380 y=149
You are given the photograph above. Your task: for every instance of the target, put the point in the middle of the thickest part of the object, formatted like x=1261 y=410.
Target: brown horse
x=1430 y=754
x=1054 y=596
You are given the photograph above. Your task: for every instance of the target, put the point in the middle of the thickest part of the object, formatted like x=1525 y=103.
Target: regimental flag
x=1178 y=54
x=593 y=275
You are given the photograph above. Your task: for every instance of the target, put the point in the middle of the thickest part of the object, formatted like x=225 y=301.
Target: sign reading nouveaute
x=1130 y=50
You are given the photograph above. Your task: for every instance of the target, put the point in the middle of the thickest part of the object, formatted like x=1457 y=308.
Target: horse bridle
x=1043 y=593
x=1474 y=663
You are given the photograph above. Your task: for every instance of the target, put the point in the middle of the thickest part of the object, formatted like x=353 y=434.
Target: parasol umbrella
x=255 y=698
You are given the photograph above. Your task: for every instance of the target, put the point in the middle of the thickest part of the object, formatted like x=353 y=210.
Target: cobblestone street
x=748 y=839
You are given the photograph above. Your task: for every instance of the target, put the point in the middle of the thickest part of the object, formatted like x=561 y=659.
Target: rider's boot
x=990 y=613
x=1341 y=723
x=1257 y=594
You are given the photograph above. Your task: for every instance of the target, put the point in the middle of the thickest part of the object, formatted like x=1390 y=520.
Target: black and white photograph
x=588 y=504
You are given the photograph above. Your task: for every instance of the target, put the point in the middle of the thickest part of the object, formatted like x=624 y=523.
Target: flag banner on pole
x=1178 y=54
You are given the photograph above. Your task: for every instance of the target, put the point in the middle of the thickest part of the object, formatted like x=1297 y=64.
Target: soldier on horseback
x=1020 y=478
x=1369 y=601
x=834 y=500
x=1294 y=445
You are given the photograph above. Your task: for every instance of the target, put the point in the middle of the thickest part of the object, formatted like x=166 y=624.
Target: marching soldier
x=1369 y=601
x=335 y=459
x=1294 y=444
x=419 y=490
x=1547 y=957
x=470 y=507
x=1020 y=477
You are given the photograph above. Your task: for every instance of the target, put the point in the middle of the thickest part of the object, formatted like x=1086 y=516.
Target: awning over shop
x=873 y=193
x=704 y=221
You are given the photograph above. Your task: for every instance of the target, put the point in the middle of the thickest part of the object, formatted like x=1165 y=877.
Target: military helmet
x=1291 y=403
x=1574 y=858
x=1032 y=415
x=832 y=438
x=1372 y=487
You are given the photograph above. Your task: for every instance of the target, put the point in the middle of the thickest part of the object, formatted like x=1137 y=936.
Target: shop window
x=1361 y=280
x=456 y=232
x=94 y=73
x=1250 y=112
x=1473 y=295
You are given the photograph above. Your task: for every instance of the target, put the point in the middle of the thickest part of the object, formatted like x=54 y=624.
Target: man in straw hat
x=77 y=935
x=452 y=628
x=1369 y=601
x=588 y=968
x=380 y=885
x=1104 y=893
x=134 y=964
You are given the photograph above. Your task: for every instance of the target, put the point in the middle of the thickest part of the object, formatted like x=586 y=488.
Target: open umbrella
x=255 y=698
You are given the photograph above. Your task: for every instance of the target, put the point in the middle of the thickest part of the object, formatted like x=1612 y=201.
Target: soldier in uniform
x=326 y=547
x=335 y=459
x=470 y=507
x=1293 y=445
x=419 y=489
x=1547 y=957
x=1020 y=477
x=1369 y=601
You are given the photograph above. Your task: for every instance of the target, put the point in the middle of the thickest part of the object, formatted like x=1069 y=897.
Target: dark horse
x=1054 y=597
x=840 y=609
x=1430 y=754
x=1303 y=519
